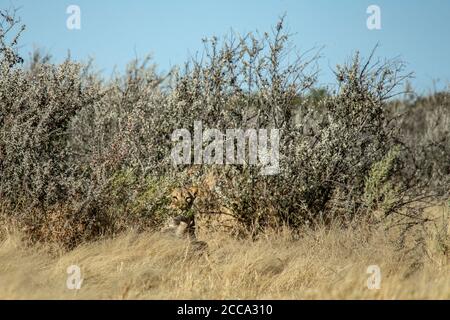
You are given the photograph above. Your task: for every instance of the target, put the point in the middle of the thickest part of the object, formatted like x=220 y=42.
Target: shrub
x=379 y=192
x=245 y=84
x=82 y=157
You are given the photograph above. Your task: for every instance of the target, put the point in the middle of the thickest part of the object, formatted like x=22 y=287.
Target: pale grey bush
x=36 y=109
x=425 y=128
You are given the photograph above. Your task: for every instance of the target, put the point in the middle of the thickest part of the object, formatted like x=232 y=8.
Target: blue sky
x=114 y=31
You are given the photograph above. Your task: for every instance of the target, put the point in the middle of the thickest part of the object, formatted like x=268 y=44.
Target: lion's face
x=209 y=212
x=183 y=198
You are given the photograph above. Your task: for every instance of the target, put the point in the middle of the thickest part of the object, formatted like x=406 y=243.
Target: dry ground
x=325 y=263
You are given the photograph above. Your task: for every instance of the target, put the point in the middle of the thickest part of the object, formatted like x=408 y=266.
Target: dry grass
x=323 y=264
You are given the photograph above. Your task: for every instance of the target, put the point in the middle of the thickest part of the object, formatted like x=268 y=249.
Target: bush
x=82 y=157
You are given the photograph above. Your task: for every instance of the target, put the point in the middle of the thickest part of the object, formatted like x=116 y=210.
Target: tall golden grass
x=323 y=263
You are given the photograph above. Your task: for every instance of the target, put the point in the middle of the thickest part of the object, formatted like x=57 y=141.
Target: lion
x=197 y=199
